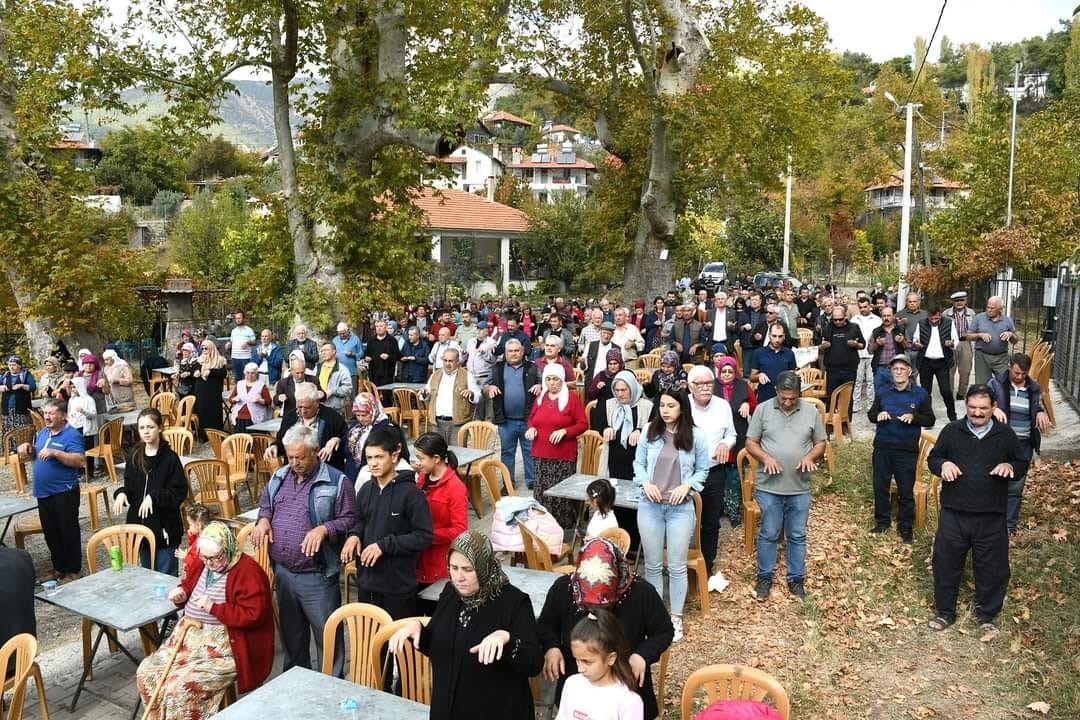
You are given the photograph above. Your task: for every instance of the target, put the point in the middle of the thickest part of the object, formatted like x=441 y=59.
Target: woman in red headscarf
x=738 y=393
x=604 y=579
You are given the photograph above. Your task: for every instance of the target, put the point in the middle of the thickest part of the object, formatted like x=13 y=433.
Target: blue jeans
x=1016 y=489
x=788 y=513
x=512 y=432
x=165 y=560
x=660 y=523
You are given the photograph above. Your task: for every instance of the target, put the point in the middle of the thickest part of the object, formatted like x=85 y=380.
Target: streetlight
x=786 y=269
x=905 y=215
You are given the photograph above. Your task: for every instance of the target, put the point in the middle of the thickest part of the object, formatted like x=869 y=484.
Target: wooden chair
x=590 y=448
x=497 y=479
x=38 y=419
x=262 y=468
x=182 y=441
x=926 y=483
x=365 y=385
x=185 y=414
x=588 y=412
x=649 y=361
x=738 y=353
x=661 y=681
x=695 y=561
x=806 y=337
x=165 y=402
x=751 y=512
x=408 y=404
x=477 y=434
x=21 y=651
x=837 y=414
x=362 y=623
x=25 y=527
x=579 y=376
x=109 y=443
x=830 y=455
x=9 y=454
x=215 y=490
x=129 y=538
x=620 y=537
x=216 y=438
x=1042 y=376
x=644 y=375
x=159 y=383
x=414 y=667
x=538 y=555
x=734 y=682
x=236 y=451
x=816 y=378
x=393 y=413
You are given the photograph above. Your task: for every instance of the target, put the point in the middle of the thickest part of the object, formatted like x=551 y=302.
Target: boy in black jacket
x=975 y=457
x=392 y=528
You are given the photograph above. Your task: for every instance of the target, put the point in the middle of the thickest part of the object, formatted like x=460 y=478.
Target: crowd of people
x=352 y=488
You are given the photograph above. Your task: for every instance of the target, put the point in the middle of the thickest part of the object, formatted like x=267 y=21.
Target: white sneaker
x=676 y=621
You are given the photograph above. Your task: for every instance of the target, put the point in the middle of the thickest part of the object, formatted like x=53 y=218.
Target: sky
x=886 y=30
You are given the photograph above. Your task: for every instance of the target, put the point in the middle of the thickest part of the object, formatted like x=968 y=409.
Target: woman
x=637 y=317
x=621 y=421
x=481 y=639
x=285 y=392
x=153 y=490
x=654 y=324
x=671 y=461
x=97 y=384
x=556 y=420
x=187 y=367
x=52 y=379
x=447 y=499
x=121 y=382
x=17 y=388
x=229 y=594
x=604 y=579
x=209 y=384
x=368 y=414
x=249 y=400
x=599 y=388
x=528 y=322
x=738 y=393
x=669 y=376
x=186 y=338
x=82 y=415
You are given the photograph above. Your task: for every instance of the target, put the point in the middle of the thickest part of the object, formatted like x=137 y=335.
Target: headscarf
x=79 y=356
x=211 y=360
x=119 y=363
x=477 y=550
x=368 y=403
x=190 y=347
x=726 y=388
x=622 y=416
x=602 y=578
x=555 y=369
x=669 y=382
x=91 y=380
x=604 y=376
x=218 y=535
x=56 y=377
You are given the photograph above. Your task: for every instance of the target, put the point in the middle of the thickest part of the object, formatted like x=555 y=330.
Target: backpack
x=507 y=538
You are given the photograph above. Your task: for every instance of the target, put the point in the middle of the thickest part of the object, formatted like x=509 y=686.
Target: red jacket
x=448 y=501
x=248 y=616
x=546 y=418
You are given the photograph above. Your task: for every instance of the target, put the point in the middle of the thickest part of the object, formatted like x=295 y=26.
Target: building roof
x=936 y=182
x=73 y=145
x=560 y=128
x=528 y=162
x=503 y=116
x=458 y=210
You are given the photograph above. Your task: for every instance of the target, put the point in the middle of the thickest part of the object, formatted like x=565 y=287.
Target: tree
x=142 y=161
x=217 y=158
x=195 y=237
x=1072 y=57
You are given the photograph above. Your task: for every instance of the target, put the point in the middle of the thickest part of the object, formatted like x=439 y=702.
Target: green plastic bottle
x=115 y=558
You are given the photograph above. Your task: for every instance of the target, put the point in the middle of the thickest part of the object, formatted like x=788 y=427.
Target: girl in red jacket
x=437 y=478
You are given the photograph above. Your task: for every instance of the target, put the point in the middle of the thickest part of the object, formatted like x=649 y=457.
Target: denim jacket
x=325 y=489
x=695 y=465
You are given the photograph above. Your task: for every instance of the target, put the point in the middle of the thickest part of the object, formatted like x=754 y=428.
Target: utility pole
x=786 y=269
x=921 y=198
x=905 y=215
x=1012 y=143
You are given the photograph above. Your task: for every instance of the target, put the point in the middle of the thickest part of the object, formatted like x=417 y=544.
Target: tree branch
x=648 y=72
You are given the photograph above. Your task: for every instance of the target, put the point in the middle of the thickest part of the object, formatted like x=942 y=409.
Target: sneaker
x=795 y=587
x=989 y=631
x=761 y=591
x=676 y=622
x=879 y=528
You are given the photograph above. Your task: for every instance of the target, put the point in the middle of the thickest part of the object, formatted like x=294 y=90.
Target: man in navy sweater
x=976 y=458
x=900 y=410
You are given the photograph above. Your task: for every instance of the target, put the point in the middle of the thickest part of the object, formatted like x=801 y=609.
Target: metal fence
x=1029 y=301
x=1066 y=370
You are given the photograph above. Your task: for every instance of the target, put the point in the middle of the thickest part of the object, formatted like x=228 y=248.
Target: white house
x=887 y=199
x=559 y=134
x=549 y=172
x=471 y=170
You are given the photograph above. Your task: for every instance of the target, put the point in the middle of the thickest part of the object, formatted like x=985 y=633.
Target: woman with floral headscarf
x=669 y=376
x=604 y=579
x=738 y=393
x=229 y=594
x=481 y=640
x=368 y=414
x=599 y=388
x=187 y=367
x=53 y=377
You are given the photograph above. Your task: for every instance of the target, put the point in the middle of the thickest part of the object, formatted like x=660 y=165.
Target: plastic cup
x=159 y=591
x=50 y=587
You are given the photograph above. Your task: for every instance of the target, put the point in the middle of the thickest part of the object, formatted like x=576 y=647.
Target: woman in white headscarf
x=121 y=396
x=556 y=421
x=621 y=423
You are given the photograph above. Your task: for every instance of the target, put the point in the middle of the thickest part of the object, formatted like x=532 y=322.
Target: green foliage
x=862 y=255
x=756 y=235
x=166 y=203
x=195 y=237
x=1072 y=60
x=141 y=161
x=258 y=258
x=217 y=158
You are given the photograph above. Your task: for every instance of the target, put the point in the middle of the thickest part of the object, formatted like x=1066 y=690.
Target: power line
x=918 y=72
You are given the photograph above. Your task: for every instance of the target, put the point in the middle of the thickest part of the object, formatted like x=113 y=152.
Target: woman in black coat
x=154 y=487
x=604 y=579
x=481 y=640
x=209 y=385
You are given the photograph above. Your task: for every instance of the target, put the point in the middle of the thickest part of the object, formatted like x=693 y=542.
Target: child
x=602 y=501
x=602 y=688
x=198 y=517
x=83 y=416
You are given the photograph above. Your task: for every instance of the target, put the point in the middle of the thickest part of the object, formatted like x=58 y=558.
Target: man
x=789 y=315
x=976 y=458
x=450 y=395
x=413 y=367
x=392 y=527
x=267 y=354
x=466 y=332
x=304 y=344
x=421 y=321
x=888 y=341
x=349 y=350
x=627 y=337
x=606 y=309
x=867 y=322
x=511 y=403
x=770 y=361
x=909 y=318
x=840 y=345
x=961 y=317
x=445 y=321
x=807 y=307
x=591 y=332
x=993 y=331
x=16 y=598
x=569 y=347
x=444 y=343
x=479 y=359
x=787 y=438
x=327 y=424
x=824 y=315
x=753 y=330
x=934 y=339
x=880 y=303
x=513 y=332
x=687 y=334
x=241 y=342
x=305 y=512
x=58 y=463
x=900 y=410
x=552 y=354
x=334 y=379
x=382 y=354
x=713 y=415
x=720 y=325
x=596 y=353
x=1018 y=403
x=702 y=304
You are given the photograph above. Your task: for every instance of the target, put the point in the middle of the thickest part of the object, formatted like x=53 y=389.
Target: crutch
x=185 y=625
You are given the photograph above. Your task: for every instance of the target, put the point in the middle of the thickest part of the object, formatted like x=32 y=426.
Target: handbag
x=506 y=537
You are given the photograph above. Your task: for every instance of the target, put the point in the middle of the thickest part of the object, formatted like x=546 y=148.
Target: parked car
x=711 y=277
x=774 y=279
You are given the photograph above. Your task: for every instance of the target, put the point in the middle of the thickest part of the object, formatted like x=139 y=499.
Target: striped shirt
x=215 y=591
x=1020 y=411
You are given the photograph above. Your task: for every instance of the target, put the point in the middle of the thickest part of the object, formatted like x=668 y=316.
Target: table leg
x=476 y=498
x=7 y=525
x=86 y=670
x=577 y=531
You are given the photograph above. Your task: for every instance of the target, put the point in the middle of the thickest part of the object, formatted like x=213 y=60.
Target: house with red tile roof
x=552 y=169
x=887 y=198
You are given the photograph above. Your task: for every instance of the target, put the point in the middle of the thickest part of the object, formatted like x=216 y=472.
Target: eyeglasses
x=702 y=384
x=213 y=559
